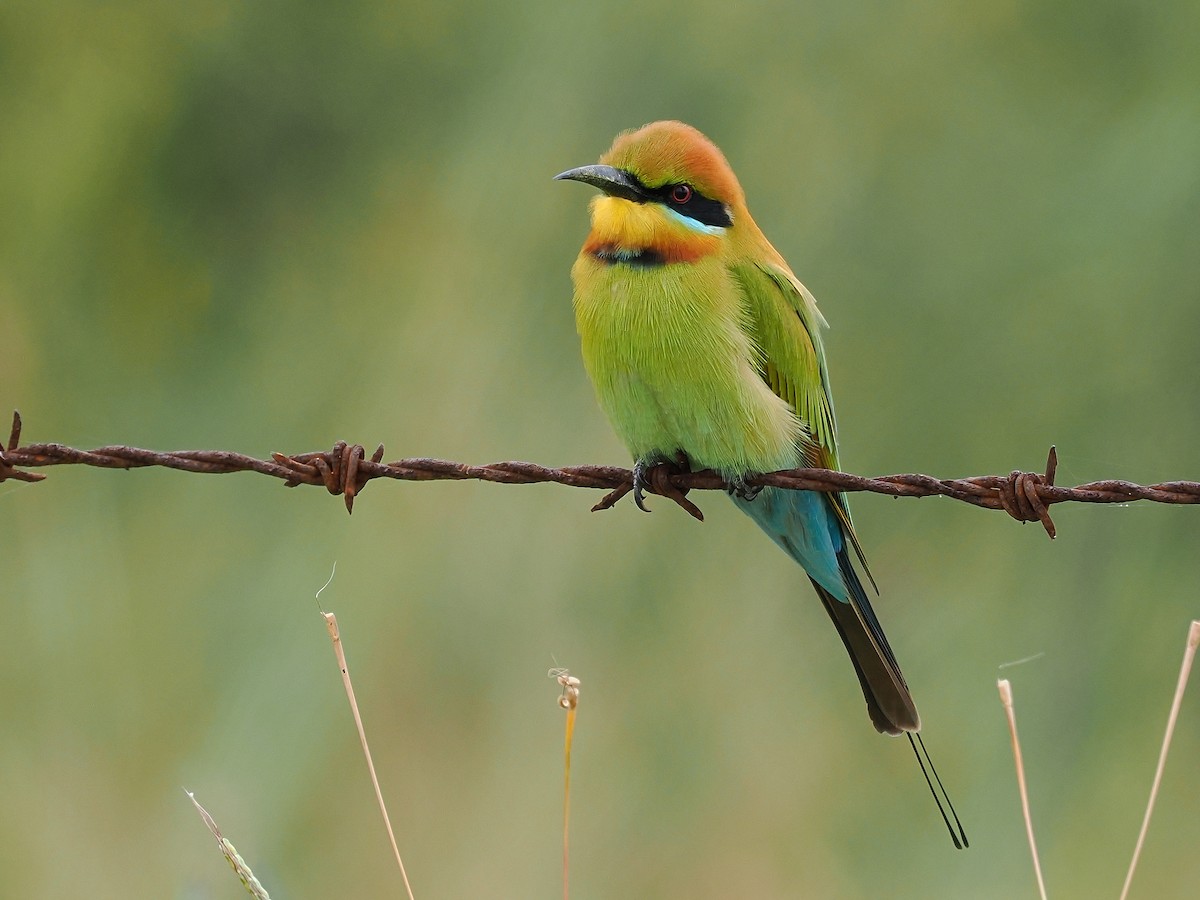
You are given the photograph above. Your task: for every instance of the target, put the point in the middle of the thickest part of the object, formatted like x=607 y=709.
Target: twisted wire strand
x=346 y=469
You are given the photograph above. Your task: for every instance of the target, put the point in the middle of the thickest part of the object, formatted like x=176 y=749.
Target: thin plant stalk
x=1006 y=698
x=568 y=701
x=1185 y=670
x=335 y=636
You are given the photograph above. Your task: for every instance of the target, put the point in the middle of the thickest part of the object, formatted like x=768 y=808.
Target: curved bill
x=614 y=182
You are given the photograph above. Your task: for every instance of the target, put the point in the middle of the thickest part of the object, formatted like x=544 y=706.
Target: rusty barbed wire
x=346 y=469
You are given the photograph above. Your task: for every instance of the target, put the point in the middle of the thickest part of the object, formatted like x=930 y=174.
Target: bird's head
x=669 y=196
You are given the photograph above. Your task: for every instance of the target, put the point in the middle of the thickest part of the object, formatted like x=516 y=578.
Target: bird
x=705 y=352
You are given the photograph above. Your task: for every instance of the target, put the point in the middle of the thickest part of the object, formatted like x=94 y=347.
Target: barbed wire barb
x=345 y=470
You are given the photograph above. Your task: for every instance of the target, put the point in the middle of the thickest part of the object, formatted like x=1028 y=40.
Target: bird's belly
x=673 y=369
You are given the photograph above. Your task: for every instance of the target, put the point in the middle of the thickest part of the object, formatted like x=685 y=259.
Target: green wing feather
x=786 y=326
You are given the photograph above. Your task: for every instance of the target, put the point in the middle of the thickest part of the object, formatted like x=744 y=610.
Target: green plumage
x=674 y=360
x=699 y=340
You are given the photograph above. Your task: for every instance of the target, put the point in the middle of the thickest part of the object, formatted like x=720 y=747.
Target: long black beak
x=614 y=182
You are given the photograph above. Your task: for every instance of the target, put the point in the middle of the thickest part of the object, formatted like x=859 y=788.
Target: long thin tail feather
x=806 y=527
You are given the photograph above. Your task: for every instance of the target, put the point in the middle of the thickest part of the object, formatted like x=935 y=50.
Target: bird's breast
x=674 y=368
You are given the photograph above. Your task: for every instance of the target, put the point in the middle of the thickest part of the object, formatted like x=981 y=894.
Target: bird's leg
x=641 y=479
x=738 y=488
x=652 y=473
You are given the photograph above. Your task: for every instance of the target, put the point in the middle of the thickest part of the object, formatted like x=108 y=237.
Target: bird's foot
x=653 y=475
x=742 y=491
x=641 y=481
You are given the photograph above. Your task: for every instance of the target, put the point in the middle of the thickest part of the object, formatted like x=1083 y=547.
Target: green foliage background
x=268 y=226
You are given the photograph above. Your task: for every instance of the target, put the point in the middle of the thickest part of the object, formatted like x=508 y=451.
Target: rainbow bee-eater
x=704 y=349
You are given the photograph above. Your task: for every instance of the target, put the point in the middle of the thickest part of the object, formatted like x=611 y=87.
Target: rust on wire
x=7 y=468
x=338 y=470
x=1020 y=499
x=346 y=469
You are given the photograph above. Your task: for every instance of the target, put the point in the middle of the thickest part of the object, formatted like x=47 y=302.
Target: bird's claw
x=653 y=475
x=742 y=491
x=641 y=480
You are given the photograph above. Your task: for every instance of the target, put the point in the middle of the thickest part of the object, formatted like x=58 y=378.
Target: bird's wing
x=786 y=328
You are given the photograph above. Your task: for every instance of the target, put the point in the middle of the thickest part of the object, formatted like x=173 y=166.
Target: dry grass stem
x=1006 y=698
x=335 y=636
x=1185 y=670
x=569 y=700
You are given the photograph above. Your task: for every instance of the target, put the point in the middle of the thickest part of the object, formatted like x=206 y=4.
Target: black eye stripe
x=679 y=196
x=703 y=209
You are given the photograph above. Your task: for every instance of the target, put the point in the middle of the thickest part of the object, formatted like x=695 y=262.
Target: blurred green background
x=268 y=226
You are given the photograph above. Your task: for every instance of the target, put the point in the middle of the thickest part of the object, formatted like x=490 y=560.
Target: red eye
x=681 y=193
